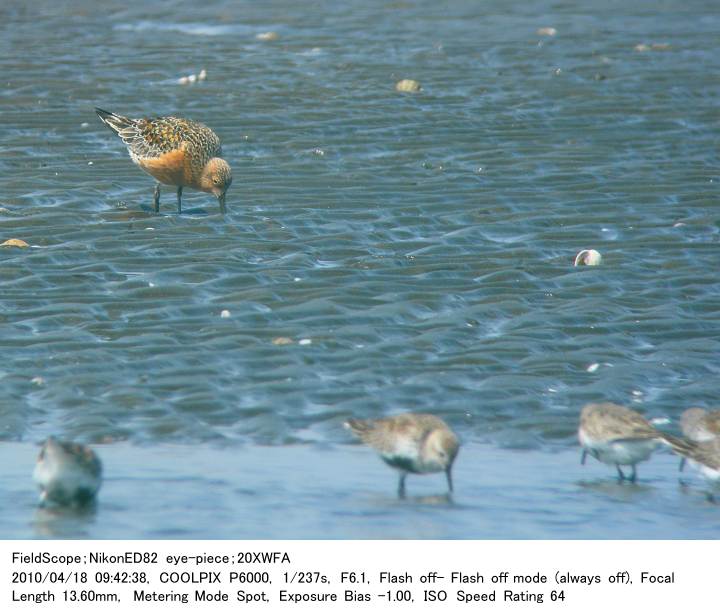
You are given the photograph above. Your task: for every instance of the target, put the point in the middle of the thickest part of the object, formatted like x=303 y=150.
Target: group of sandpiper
x=183 y=153
x=619 y=436
x=70 y=474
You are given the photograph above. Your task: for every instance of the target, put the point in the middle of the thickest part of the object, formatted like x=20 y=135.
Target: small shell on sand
x=267 y=36
x=225 y=314
x=546 y=31
x=16 y=243
x=408 y=85
x=282 y=340
x=201 y=76
x=588 y=257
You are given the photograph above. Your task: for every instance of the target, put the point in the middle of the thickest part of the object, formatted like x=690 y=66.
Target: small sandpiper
x=411 y=443
x=175 y=152
x=699 y=426
x=619 y=436
x=68 y=474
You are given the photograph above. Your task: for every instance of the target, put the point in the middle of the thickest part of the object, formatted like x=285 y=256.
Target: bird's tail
x=680 y=446
x=359 y=427
x=114 y=121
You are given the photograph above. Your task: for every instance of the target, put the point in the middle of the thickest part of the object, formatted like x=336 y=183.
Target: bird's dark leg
x=681 y=481
x=633 y=477
x=157 y=197
x=621 y=475
x=448 y=474
x=584 y=456
x=179 y=199
x=401 y=485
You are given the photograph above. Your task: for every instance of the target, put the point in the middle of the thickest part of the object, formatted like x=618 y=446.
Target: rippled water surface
x=382 y=252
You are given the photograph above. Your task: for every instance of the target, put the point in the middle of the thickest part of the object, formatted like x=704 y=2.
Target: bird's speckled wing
x=155 y=137
x=707 y=453
x=614 y=422
x=398 y=432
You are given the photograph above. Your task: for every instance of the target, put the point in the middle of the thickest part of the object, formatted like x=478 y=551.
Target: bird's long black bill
x=221 y=201
x=448 y=474
x=584 y=456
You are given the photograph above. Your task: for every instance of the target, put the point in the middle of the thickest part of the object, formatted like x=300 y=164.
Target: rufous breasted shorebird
x=175 y=152
x=68 y=474
x=411 y=443
x=619 y=436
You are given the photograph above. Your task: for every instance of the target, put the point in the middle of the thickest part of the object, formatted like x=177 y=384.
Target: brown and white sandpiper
x=619 y=436
x=411 y=443
x=68 y=474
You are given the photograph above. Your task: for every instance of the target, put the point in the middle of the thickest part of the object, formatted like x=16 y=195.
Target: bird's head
x=216 y=179
x=441 y=448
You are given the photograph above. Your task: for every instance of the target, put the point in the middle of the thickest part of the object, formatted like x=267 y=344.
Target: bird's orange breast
x=172 y=168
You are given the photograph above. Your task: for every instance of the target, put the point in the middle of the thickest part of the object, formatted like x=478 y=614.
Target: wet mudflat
x=383 y=252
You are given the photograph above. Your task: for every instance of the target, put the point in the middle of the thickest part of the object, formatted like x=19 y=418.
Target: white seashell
x=588 y=257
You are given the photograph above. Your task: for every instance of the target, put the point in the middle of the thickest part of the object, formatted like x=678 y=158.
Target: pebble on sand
x=267 y=36
x=225 y=314
x=16 y=243
x=652 y=47
x=282 y=340
x=588 y=257
x=408 y=85
x=546 y=31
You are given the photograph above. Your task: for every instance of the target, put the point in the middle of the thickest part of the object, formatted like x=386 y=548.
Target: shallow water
x=416 y=249
x=343 y=492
